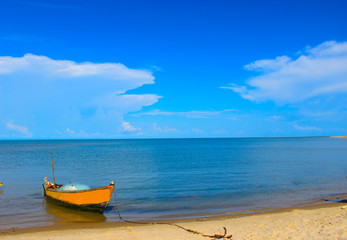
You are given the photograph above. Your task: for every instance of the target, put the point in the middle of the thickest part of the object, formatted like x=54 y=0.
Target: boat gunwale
x=78 y=191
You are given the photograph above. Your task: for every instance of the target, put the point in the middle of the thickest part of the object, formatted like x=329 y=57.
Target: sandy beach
x=322 y=221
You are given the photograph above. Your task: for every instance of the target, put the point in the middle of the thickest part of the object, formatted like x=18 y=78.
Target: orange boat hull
x=94 y=199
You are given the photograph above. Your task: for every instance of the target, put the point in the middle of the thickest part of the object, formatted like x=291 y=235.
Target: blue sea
x=170 y=178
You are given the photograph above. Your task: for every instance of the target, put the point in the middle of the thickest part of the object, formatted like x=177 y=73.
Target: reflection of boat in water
x=93 y=199
x=65 y=215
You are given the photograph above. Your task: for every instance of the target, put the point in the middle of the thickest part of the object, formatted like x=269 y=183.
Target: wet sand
x=319 y=221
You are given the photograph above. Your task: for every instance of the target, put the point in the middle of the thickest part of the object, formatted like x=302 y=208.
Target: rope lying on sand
x=215 y=236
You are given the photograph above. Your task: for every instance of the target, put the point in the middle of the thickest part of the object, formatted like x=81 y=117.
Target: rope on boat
x=215 y=236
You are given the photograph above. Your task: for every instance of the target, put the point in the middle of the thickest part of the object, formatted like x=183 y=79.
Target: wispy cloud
x=17 y=128
x=156 y=69
x=190 y=114
x=50 y=69
x=165 y=129
x=197 y=130
x=268 y=64
x=128 y=128
x=321 y=71
x=307 y=128
x=76 y=134
x=68 y=130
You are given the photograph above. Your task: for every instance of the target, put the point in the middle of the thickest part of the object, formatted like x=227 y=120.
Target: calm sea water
x=167 y=178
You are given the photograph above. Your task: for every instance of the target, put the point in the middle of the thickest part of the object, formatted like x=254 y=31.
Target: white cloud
x=165 y=129
x=307 y=128
x=126 y=102
x=321 y=71
x=49 y=69
x=156 y=68
x=68 y=130
x=76 y=134
x=190 y=114
x=17 y=128
x=268 y=64
x=59 y=94
x=126 y=127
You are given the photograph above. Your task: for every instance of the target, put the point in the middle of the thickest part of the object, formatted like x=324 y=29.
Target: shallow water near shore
x=170 y=178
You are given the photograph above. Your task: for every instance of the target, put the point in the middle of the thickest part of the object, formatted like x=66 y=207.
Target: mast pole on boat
x=52 y=169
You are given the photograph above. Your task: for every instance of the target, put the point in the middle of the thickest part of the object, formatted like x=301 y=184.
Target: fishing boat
x=91 y=199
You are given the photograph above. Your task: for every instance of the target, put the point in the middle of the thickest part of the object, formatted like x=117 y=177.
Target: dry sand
x=325 y=221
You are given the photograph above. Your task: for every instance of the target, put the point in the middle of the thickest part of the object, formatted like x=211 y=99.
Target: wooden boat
x=93 y=199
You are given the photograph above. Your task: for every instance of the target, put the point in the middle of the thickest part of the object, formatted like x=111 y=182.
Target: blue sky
x=144 y=69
